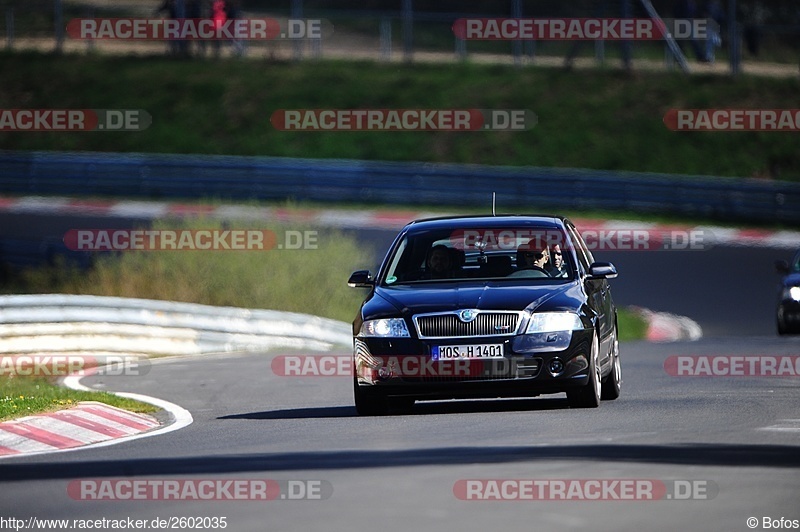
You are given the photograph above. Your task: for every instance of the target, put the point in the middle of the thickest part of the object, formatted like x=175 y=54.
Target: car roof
x=487 y=222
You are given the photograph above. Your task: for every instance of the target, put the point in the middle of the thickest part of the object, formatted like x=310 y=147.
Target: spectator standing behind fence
x=713 y=10
x=234 y=11
x=194 y=10
x=754 y=16
x=687 y=9
x=171 y=8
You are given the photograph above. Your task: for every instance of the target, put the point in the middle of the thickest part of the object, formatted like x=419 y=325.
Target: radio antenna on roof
x=494 y=197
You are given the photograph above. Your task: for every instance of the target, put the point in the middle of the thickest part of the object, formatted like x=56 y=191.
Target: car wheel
x=589 y=395
x=613 y=384
x=782 y=329
x=369 y=403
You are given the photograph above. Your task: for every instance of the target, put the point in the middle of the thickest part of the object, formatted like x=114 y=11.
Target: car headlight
x=544 y=322
x=548 y=331
x=385 y=328
x=792 y=292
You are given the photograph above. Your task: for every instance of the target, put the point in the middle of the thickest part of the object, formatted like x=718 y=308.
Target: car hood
x=793 y=279
x=408 y=300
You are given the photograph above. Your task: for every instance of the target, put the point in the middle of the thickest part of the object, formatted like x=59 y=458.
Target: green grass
x=631 y=325
x=587 y=119
x=24 y=396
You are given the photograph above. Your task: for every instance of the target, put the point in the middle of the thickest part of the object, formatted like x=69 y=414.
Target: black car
x=486 y=306
x=789 y=301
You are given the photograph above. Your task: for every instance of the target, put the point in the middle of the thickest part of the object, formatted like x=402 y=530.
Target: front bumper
x=405 y=367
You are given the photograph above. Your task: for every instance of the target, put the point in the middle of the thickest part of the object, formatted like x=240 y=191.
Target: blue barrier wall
x=518 y=188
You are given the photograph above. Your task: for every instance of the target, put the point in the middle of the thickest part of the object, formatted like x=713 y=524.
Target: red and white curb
x=666 y=327
x=86 y=423
x=360 y=219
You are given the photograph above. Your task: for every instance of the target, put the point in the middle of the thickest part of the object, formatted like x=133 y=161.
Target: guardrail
x=323 y=180
x=53 y=323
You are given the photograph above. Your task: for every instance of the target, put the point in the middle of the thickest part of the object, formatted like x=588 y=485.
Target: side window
x=584 y=256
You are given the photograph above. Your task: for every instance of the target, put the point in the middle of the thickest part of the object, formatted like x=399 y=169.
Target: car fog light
x=384 y=373
x=556 y=367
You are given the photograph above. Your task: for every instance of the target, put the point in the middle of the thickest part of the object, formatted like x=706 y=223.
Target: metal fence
x=396 y=29
x=517 y=188
x=58 y=323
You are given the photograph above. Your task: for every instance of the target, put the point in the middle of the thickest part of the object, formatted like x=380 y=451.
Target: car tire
x=369 y=403
x=613 y=383
x=782 y=328
x=588 y=396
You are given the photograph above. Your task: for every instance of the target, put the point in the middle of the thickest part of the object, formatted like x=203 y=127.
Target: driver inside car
x=532 y=261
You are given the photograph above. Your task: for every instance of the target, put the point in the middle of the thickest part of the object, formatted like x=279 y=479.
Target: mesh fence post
x=297 y=13
x=9 y=28
x=386 y=38
x=733 y=38
x=59 y=24
x=408 y=30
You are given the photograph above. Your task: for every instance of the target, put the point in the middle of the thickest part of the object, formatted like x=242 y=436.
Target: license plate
x=460 y=352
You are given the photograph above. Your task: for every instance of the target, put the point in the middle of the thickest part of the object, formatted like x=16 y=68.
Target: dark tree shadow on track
x=723 y=455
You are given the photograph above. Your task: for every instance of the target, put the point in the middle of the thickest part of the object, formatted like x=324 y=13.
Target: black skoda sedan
x=789 y=297
x=483 y=307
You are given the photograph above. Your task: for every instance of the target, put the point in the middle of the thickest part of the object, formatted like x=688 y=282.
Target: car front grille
x=449 y=325
x=485 y=370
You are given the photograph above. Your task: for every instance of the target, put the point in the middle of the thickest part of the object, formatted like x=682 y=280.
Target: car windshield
x=537 y=254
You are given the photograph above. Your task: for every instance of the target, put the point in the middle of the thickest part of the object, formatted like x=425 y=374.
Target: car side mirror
x=602 y=270
x=781 y=266
x=361 y=279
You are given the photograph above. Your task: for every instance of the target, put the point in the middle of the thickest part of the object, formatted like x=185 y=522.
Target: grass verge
x=597 y=119
x=631 y=325
x=24 y=396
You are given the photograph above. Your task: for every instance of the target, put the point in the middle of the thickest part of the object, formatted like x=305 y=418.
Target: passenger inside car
x=440 y=263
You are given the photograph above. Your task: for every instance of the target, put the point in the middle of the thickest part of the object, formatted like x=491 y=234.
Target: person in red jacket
x=219 y=14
